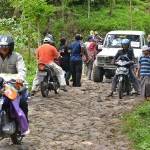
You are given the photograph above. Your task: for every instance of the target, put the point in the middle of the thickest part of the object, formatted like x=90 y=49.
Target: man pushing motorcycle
x=127 y=51
x=46 y=54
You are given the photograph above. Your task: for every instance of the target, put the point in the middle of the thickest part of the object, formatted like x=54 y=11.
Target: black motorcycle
x=48 y=80
x=122 y=72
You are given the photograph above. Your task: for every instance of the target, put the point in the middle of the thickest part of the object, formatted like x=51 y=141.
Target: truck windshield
x=114 y=40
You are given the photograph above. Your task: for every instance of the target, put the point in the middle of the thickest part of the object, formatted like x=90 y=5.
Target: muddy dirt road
x=81 y=119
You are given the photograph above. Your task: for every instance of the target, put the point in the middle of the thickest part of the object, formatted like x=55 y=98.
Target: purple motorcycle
x=13 y=122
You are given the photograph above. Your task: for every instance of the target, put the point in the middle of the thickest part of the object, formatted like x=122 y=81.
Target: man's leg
x=78 y=73
x=60 y=75
x=24 y=107
x=90 y=66
x=136 y=84
x=73 y=72
x=114 y=85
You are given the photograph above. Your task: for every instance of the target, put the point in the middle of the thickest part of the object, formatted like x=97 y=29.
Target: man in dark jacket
x=76 y=60
x=65 y=58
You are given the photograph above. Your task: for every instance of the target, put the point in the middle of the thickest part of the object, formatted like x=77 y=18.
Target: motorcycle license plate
x=42 y=73
x=122 y=69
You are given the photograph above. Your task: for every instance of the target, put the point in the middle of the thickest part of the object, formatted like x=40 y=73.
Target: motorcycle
x=48 y=80
x=13 y=122
x=122 y=72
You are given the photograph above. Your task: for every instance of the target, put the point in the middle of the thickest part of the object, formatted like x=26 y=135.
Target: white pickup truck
x=112 y=43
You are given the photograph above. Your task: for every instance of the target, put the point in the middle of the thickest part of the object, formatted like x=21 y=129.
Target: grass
x=137 y=126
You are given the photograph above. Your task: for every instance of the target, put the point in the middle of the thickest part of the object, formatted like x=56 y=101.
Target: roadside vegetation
x=137 y=126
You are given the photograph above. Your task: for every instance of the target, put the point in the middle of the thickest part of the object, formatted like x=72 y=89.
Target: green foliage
x=31 y=68
x=137 y=125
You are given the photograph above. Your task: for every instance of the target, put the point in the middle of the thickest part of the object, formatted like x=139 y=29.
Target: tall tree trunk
x=89 y=8
x=38 y=31
x=110 y=7
x=63 y=10
x=131 y=15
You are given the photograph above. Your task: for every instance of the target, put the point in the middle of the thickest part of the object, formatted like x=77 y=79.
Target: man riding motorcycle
x=127 y=51
x=12 y=63
x=46 y=54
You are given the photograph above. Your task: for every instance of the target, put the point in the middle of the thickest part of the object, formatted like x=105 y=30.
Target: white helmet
x=48 y=39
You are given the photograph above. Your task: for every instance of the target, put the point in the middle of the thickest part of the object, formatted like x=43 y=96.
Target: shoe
x=32 y=93
x=26 y=132
x=110 y=95
x=63 y=88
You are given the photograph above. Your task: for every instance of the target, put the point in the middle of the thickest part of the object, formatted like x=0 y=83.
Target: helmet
x=48 y=39
x=125 y=42
x=7 y=42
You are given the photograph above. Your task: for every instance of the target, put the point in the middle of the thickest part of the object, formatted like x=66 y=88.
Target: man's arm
x=56 y=53
x=116 y=57
x=132 y=55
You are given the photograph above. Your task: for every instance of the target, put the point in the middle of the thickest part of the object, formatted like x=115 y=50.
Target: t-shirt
x=75 y=48
x=46 y=54
x=144 y=66
x=91 y=50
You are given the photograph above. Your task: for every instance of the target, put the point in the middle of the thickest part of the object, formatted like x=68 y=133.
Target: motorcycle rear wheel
x=44 y=87
x=56 y=86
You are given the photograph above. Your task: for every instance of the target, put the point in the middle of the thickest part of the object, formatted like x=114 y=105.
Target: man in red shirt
x=46 y=54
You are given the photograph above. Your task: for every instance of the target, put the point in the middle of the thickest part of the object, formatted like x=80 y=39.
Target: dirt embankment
x=81 y=119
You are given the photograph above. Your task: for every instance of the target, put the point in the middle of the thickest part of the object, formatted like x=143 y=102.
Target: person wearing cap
x=46 y=54
x=144 y=72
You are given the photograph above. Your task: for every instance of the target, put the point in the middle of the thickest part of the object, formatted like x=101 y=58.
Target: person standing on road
x=65 y=58
x=144 y=72
x=76 y=60
x=91 y=52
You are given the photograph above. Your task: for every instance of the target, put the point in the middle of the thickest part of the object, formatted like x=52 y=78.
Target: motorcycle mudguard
x=17 y=112
x=120 y=78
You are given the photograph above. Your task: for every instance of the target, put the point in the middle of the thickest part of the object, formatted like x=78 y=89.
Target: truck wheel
x=98 y=73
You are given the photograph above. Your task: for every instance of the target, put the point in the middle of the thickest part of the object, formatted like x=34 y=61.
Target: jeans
x=76 y=71
x=89 y=69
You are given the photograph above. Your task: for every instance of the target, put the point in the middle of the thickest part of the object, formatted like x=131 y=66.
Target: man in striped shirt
x=144 y=72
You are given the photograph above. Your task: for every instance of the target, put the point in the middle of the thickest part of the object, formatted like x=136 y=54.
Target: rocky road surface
x=81 y=119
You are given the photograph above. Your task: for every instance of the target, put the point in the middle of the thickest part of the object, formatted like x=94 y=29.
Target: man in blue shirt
x=76 y=60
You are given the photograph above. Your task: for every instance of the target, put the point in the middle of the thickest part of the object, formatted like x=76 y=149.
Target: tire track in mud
x=80 y=119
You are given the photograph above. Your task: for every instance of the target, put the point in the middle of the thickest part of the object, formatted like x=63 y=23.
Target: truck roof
x=127 y=32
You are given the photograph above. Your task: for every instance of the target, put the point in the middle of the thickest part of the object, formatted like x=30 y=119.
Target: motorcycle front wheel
x=120 y=89
x=16 y=138
x=44 y=87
